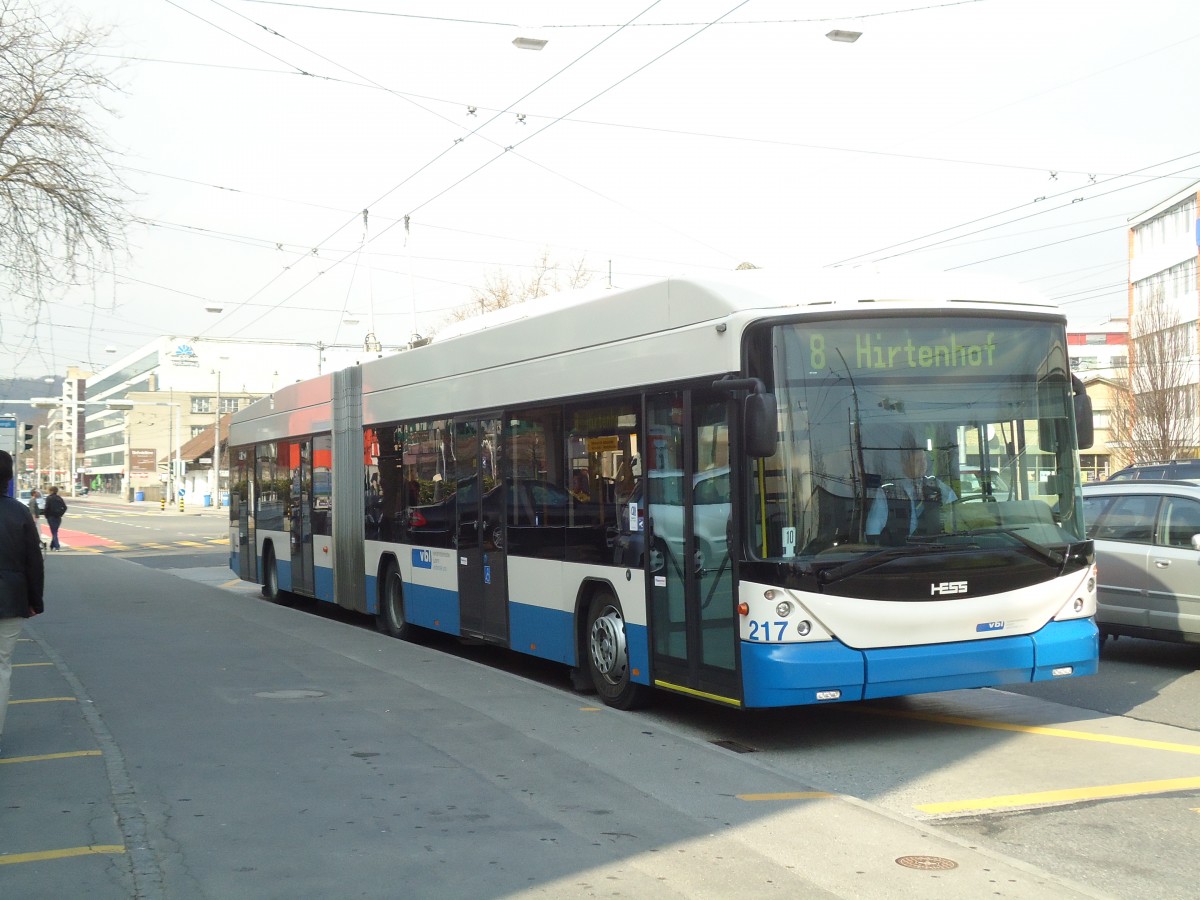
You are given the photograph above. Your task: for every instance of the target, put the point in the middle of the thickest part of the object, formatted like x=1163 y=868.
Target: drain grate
x=929 y=863
x=734 y=746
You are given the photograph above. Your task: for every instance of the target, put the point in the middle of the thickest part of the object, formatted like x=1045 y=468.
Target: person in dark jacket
x=22 y=576
x=54 y=508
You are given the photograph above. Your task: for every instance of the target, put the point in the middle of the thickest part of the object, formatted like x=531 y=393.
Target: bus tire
x=391 y=619
x=270 y=588
x=608 y=654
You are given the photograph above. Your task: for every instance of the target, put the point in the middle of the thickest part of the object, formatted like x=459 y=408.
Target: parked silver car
x=1147 y=536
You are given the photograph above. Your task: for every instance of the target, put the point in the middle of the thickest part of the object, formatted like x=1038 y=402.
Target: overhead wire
x=1042 y=211
x=529 y=137
x=427 y=164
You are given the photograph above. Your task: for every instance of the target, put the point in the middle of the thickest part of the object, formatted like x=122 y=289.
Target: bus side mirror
x=760 y=422
x=1083 y=421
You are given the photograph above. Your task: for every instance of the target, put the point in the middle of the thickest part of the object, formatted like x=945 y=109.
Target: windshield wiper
x=1054 y=557
x=845 y=570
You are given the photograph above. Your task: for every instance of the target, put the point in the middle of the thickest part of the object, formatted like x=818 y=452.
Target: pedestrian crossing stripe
x=149 y=545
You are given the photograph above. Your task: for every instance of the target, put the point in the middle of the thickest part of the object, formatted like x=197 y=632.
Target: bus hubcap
x=608 y=645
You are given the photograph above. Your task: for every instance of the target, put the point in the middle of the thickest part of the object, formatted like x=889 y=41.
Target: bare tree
x=1154 y=416
x=60 y=207
x=500 y=290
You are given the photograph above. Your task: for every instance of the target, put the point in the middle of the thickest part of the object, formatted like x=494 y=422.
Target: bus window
x=601 y=441
x=537 y=496
x=427 y=450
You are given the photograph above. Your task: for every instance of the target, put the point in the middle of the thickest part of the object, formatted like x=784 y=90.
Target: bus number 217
x=761 y=631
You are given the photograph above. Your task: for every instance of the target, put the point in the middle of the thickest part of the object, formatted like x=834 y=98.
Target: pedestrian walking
x=54 y=509
x=22 y=577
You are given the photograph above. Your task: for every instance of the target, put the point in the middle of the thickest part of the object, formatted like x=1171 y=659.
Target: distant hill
x=12 y=389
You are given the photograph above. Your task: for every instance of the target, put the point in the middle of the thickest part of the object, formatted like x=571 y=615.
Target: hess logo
x=947 y=587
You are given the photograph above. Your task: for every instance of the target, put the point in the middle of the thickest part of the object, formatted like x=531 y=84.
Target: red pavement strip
x=71 y=539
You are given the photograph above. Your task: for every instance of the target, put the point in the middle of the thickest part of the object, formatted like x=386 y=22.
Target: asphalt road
x=276 y=752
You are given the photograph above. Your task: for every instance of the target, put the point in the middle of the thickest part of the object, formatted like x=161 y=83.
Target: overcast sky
x=996 y=136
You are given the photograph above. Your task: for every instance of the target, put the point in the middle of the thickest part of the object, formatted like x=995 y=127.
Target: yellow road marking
x=792 y=795
x=1039 y=729
x=30 y=665
x=1100 y=792
x=48 y=756
x=43 y=700
x=60 y=854
x=189 y=544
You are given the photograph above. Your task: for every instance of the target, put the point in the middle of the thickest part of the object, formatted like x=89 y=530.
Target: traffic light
x=28 y=437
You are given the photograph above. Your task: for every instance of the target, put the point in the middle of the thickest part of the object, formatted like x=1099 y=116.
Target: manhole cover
x=935 y=863
x=289 y=695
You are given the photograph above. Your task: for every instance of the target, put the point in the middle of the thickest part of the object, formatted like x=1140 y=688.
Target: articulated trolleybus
x=752 y=491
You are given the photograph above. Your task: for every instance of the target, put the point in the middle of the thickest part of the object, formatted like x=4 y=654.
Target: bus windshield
x=955 y=432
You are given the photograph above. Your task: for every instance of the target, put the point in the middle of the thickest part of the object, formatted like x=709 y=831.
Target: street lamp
x=40 y=439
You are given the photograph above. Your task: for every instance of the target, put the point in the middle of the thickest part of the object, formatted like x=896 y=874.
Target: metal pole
x=216 y=460
x=178 y=452
x=74 y=424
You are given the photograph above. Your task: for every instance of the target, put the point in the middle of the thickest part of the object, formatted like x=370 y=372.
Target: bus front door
x=482 y=565
x=693 y=620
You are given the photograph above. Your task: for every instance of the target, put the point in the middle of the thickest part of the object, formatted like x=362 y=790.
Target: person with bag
x=22 y=576
x=54 y=509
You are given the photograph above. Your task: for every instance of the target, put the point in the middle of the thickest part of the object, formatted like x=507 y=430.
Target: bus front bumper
x=807 y=673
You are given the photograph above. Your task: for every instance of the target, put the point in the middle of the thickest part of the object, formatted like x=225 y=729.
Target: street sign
x=8 y=434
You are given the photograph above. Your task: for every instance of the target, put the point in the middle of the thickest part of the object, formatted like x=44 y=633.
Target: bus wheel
x=270 y=588
x=608 y=654
x=390 y=618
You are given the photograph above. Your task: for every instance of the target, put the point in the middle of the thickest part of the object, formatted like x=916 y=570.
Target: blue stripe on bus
x=283 y=572
x=550 y=634
x=372 y=589
x=542 y=632
x=792 y=674
x=323 y=583
x=432 y=607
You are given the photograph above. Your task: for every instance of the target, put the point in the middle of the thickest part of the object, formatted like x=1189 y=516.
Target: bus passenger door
x=482 y=566
x=300 y=515
x=693 y=620
x=242 y=499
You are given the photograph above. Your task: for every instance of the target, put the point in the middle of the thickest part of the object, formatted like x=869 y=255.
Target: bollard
x=181 y=504
x=162 y=503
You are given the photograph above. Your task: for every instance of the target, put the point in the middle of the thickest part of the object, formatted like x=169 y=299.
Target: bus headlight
x=784 y=609
x=803 y=627
x=1078 y=604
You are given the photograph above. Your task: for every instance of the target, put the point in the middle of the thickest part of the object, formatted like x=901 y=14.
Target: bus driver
x=909 y=505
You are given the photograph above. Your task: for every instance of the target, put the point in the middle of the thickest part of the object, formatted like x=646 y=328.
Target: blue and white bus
x=756 y=491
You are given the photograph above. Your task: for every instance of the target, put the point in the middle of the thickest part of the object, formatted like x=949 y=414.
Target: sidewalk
x=192 y=504
x=170 y=741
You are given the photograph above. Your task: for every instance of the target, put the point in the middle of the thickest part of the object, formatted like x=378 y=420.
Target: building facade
x=121 y=430
x=1164 y=256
